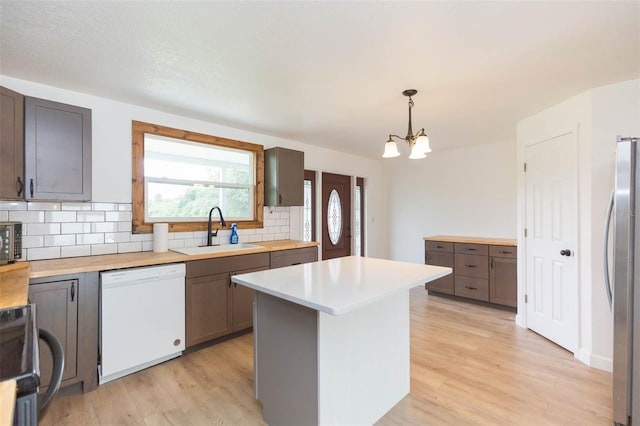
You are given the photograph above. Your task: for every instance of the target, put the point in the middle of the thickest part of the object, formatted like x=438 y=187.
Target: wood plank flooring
x=470 y=365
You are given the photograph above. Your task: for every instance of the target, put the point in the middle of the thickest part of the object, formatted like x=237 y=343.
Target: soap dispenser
x=234 y=233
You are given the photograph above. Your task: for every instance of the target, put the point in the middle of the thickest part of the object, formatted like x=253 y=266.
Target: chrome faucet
x=214 y=233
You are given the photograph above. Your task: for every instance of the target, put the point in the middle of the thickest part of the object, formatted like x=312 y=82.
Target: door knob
x=565 y=252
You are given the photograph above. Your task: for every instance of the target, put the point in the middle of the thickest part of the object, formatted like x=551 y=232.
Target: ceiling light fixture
x=419 y=142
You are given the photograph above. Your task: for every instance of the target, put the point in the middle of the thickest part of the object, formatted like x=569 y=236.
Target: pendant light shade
x=416 y=153
x=390 y=149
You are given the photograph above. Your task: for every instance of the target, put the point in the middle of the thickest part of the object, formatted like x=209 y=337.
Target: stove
x=19 y=359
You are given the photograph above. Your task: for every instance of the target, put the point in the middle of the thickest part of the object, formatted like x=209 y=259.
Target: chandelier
x=419 y=142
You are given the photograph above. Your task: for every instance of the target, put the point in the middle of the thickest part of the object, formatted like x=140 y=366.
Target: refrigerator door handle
x=607 y=230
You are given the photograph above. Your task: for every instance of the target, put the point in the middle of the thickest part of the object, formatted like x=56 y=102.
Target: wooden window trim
x=311 y=176
x=138 y=130
x=360 y=183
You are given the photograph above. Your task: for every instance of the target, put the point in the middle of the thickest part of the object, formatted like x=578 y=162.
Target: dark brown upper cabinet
x=283 y=177
x=57 y=146
x=11 y=145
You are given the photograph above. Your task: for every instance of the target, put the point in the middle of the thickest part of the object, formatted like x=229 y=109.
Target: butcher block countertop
x=473 y=240
x=14 y=284
x=73 y=265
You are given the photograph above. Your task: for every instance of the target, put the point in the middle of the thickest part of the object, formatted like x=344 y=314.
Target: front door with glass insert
x=336 y=215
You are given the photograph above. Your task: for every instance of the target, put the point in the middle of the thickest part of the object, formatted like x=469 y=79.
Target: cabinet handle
x=470 y=288
x=19 y=186
x=279 y=199
x=31 y=187
x=504 y=252
x=470 y=249
x=73 y=291
x=297 y=263
x=438 y=246
x=469 y=265
x=492 y=263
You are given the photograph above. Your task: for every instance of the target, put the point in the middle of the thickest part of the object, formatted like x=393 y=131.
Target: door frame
x=521 y=316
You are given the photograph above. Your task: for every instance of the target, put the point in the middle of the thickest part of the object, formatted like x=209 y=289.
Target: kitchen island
x=331 y=338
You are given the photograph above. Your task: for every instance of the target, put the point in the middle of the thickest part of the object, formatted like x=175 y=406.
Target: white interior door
x=551 y=242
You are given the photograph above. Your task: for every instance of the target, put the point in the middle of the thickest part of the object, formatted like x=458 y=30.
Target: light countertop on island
x=341 y=285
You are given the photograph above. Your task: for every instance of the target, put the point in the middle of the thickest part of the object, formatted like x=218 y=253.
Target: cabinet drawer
x=503 y=251
x=291 y=257
x=438 y=246
x=472 y=266
x=473 y=288
x=441 y=285
x=477 y=249
x=220 y=265
x=439 y=258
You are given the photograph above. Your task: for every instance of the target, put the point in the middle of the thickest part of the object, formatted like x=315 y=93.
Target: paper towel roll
x=160 y=237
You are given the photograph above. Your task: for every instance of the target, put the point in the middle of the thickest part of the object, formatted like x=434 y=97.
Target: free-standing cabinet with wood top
x=484 y=269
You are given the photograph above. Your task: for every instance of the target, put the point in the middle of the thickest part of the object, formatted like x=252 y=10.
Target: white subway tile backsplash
x=42 y=229
x=90 y=238
x=141 y=237
x=43 y=253
x=70 y=229
x=32 y=241
x=129 y=247
x=55 y=216
x=104 y=227
x=76 y=206
x=26 y=216
x=98 y=249
x=43 y=206
x=86 y=216
x=75 y=251
x=60 y=240
x=104 y=206
x=117 y=237
x=117 y=216
x=75 y=228
x=124 y=227
x=13 y=205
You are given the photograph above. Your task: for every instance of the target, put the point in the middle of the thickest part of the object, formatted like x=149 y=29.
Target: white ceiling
x=329 y=73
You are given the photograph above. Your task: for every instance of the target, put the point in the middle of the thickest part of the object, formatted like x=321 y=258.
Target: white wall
x=111 y=133
x=467 y=192
x=598 y=116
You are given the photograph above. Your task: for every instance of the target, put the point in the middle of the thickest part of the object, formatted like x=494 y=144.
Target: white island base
x=332 y=339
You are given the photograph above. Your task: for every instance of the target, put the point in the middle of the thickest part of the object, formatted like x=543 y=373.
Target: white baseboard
x=595 y=361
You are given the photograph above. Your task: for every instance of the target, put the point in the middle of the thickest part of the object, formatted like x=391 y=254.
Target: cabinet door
x=284 y=177
x=438 y=258
x=208 y=308
x=503 y=287
x=243 y=303
x=57 y=151
x=57 y=311
x=11 y=145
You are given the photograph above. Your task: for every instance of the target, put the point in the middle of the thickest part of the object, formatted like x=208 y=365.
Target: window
x=178 y=176
x=309 y=209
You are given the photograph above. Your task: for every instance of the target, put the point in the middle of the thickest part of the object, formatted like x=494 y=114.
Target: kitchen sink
x=216 y=249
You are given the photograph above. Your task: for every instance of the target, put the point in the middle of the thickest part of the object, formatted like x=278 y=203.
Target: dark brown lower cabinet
x=503 y=289
x=444 y=284
x=481 y=270
x=67 y=306
x=215 y=307
x=292 y=257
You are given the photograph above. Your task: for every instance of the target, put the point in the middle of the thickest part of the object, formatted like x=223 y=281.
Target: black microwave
x=10 y=242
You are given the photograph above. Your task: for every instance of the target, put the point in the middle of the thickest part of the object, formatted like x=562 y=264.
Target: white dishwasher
x=141 y=319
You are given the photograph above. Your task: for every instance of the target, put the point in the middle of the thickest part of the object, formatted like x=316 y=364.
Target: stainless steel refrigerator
x=623 y=290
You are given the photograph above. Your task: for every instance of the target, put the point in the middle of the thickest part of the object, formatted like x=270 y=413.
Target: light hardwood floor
x=470 y=365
